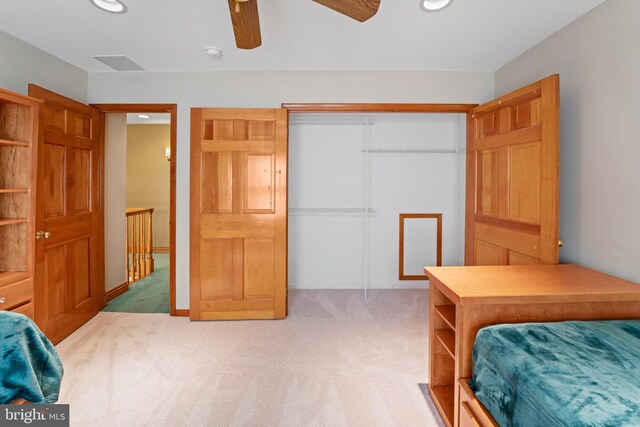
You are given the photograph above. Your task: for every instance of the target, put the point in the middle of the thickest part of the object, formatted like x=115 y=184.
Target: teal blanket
x=29 y=365
x=559 y=374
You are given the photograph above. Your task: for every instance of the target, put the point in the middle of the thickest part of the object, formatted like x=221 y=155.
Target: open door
x=69 y=275
x=238 y=239
x=513 y=178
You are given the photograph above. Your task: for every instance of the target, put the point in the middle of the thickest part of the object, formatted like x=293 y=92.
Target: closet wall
x=350 y=176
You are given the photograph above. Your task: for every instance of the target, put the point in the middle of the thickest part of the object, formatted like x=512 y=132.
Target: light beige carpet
x=335 y=361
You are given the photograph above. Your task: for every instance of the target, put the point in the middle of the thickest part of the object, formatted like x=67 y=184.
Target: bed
x=30 y=369
x=464 y=300
x=559 y=374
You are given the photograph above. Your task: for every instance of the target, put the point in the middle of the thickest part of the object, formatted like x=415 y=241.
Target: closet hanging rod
x=332 y=211
x=416 y=151
x=331 y=122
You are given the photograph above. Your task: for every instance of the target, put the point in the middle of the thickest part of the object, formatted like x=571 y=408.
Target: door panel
x=524 y=183
x=259 y=186
x=55 y=277
x=69 y=275
x=259 y=260
x=79 y=260
x=238 y=214
x=487 y=253
x=488 y=182
x=218 y=274
x=217 y=180
x=513 y=178
x=79 y=180
x=81 y=124
x=516 y=258
x=54 y=118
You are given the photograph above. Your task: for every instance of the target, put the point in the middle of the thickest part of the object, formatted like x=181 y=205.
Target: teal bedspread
x=30 y=368
x=559 y=374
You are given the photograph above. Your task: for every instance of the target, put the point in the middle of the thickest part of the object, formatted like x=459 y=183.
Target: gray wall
x=21 y=64
x=269 y=89
x=598 y=59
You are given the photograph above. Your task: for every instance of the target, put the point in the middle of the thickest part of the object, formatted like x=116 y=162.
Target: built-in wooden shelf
x=443 y=397
x=448 y=339
x=9 y=221
x=13 y=190
x=443 y=354
x=448 y=314
x=18 y=142
x=14 y=143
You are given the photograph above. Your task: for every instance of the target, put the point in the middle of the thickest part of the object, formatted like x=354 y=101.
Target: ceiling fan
x=246 y=23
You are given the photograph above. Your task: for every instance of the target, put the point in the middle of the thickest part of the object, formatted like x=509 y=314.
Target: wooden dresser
x=464 y=299
x=18 y=144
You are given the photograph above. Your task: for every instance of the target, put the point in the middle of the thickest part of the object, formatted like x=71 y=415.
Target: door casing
x=172 y=110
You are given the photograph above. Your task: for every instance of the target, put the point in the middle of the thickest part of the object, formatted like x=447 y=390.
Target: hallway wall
x=148 y=175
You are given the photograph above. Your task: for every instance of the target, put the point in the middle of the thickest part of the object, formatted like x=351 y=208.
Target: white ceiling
x=164 y=35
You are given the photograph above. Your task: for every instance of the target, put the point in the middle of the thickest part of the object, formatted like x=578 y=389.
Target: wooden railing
x=139 y=243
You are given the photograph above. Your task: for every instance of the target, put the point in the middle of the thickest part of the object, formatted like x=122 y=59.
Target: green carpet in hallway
x=147 y=295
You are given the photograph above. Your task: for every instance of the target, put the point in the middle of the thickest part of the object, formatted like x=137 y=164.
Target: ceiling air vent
x=119 y=63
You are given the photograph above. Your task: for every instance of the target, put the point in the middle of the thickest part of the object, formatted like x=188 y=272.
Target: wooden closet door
x=513 y=178
x=238 y=214
x=69 y=275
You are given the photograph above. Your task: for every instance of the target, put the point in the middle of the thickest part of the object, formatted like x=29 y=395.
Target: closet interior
x=352 y=175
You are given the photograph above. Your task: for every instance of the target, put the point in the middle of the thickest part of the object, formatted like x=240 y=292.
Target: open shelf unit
x=18 y=144
x=443 y=354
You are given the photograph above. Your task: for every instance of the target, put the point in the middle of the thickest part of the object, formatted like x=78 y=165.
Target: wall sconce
x=167 y=153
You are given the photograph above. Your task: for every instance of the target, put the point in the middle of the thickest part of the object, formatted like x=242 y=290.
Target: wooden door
x=513 y=177
x=69 y=276
x=238 y=214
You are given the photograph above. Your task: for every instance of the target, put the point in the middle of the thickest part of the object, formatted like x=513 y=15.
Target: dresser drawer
x=471 y=413
x=16 y=294
x=26 y=309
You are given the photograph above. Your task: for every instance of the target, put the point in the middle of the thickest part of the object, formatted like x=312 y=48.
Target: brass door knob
x=42 y=234
x=560 y=243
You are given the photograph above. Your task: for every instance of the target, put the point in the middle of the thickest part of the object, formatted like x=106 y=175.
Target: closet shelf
x=332 y=211
x=415 y=151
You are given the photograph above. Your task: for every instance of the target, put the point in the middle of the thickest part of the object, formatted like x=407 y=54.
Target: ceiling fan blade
x=246 y=23
x=360 y=10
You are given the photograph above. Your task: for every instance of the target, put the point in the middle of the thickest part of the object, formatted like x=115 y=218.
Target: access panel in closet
x=350 y=178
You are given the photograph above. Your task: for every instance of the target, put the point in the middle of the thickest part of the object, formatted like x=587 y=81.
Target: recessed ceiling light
x=143 y=116
x=434 y=5
x=113 y=6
